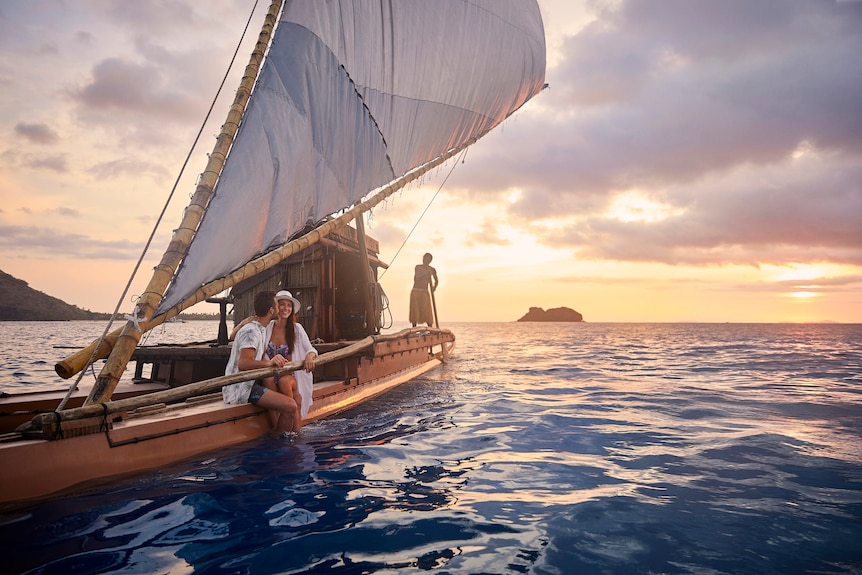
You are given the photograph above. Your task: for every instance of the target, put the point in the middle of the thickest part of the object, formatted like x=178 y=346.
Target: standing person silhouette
x=420 y=298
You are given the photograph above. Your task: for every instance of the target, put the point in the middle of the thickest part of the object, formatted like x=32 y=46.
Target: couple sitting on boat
x=272 y=338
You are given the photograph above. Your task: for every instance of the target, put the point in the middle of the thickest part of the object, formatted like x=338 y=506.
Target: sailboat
x=342 y=104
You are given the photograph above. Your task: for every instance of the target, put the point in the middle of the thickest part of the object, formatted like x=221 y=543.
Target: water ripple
x=547 y=449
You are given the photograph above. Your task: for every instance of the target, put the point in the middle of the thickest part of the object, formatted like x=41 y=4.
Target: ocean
x=589 y=448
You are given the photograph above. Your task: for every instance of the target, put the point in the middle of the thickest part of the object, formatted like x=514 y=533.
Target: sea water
x=539 y=448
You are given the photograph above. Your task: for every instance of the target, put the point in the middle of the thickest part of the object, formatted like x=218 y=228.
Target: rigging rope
x=90 y=361
x=381 y=307
x=422 y=215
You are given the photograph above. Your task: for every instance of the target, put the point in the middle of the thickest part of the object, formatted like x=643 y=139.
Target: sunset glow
x=635 y=207
x=672 y=171
x=804 y=294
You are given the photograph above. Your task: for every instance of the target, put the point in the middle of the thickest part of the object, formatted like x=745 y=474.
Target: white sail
x=352 y=95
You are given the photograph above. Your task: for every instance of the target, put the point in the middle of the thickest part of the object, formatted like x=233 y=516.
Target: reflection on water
x=29 y=350
x=558 y=448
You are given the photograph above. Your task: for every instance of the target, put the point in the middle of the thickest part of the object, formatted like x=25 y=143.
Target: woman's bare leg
x=288 y=386
x=285 y=408
x=297 y=397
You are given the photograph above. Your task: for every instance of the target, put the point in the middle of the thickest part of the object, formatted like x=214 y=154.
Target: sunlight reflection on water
x=559 y=448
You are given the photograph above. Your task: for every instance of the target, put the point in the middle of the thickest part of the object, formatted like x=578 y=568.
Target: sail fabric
x=352 y=95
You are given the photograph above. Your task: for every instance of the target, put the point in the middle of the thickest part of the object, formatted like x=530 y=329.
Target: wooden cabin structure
x=327 y=278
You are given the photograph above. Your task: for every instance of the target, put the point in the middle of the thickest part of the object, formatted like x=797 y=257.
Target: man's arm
x=237 y=327
x=247 y=361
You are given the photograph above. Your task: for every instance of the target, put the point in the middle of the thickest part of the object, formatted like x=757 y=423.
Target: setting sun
x=803 y=295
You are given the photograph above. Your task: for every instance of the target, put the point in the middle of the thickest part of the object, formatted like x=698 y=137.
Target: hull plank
x=95 y=450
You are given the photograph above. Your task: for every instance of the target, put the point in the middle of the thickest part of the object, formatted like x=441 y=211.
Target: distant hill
x=20 y=302
x=553 y=314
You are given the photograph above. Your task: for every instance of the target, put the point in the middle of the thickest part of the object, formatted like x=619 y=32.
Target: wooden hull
x=148 y=439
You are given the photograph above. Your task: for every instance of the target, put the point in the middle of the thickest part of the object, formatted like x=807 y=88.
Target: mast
x=370 y=316
x=130 y=335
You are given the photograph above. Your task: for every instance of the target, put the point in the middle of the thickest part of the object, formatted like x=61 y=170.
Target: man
x=248 y=353
x=420 y=299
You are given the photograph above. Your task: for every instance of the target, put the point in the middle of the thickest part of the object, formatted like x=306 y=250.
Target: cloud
x=157 y=16
x=820 y=285
x=35 y=241
x=128 y=166
x=385 y=233
x=743 y=118
x=128 y=86
x=488 y=233
x=53 y=163
x=64 y=211
x=851 y=283
x=84 y=38
x=161 y=71
x=37 y=133
x=803 y=212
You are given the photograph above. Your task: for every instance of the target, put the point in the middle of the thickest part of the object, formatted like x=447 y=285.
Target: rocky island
x=553 y=314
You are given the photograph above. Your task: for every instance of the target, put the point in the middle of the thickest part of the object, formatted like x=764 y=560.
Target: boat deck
x=180 y=364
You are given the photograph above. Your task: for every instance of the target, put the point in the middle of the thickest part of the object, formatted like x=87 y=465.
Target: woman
x=287 y=337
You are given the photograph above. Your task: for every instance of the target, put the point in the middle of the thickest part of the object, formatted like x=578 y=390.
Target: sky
x=690 y=161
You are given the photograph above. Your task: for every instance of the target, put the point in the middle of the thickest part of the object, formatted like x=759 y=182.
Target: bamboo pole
x=192 y=389
x=434 y=307
x=130 y=335
x=209 y=385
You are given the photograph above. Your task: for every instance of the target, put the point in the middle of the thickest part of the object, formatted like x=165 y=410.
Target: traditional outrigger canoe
x=343 y=103
x=80 y=446
x=173 y=408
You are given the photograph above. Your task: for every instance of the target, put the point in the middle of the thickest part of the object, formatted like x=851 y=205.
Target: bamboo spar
x=194 y=389
x=78 y=360
x=130 y=335
x=198 y=388
x=276 y=256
